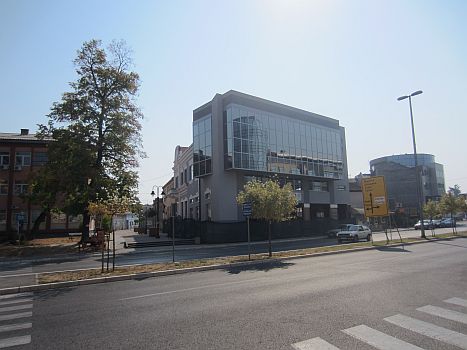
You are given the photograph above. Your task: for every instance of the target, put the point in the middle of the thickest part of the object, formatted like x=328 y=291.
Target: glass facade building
x=401 y=182
x=261 y=141
x=237 y=137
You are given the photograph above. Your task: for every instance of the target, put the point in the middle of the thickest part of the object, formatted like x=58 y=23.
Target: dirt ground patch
x=40 y=247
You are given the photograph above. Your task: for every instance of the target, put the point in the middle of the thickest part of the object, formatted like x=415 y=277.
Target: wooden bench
x=96 y=241
x=73 y=234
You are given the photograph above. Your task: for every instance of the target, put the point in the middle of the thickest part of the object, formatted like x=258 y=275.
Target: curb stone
x=144 y=275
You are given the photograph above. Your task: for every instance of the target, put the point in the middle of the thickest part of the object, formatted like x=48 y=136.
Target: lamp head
x=416 y=93
x=152 y=193
x=402 y=98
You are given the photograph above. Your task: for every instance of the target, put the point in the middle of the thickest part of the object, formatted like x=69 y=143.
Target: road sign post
x=374 y=197
x=247 y=212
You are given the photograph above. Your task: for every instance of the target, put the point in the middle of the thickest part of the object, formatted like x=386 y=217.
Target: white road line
x=16 y=301
x=6 y=343
x=18 y=275
x=444 y=313
x=314 y=344
x=15 y=316
x=15 y=327
x=190 y=289
x=457 y=301
x=17 y=295
x=429 y=330
x=379 y=339
x=15 y=308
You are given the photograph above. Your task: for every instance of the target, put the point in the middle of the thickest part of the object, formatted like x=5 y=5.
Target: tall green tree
x=96 y=128
x=431 y=209
x=269 y=201
x=449 y=204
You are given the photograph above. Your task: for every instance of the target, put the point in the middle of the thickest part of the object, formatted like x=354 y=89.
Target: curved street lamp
x=417 y=172
x=157 y=206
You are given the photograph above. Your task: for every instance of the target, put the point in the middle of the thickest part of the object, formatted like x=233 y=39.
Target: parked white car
x=354 y=233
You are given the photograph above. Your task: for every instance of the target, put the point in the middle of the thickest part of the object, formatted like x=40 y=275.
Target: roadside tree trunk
x=40 y=219
x=269 y=237
x=86 y=221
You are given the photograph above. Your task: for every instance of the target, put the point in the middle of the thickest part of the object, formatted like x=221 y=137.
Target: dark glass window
x=202 y=146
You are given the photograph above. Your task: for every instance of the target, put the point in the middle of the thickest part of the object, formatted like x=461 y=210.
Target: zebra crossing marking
x=379 y=339
x=430 y=330
x=15 y=327
x=456 y=301
x=444 y=313
x=16 y=301
x=15 y=316
x=7 y=342
x=10 y=307
x=17 y=295
x=15 y=308
x=314 y=344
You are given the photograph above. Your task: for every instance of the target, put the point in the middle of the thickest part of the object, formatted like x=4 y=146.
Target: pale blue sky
x=346 y=59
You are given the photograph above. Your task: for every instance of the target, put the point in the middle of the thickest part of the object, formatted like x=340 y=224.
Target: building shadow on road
x=52 y=293
x=394 y=249
x=264 y=266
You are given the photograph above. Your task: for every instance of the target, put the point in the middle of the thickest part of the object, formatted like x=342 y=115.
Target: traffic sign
x=246 y=209
x=374 y=196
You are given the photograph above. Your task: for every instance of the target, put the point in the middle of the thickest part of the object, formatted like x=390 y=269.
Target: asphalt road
x=15 y=272
x=388 y=297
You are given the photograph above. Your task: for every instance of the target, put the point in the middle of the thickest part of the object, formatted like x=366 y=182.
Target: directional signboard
x=246 y=209
x=374 y=196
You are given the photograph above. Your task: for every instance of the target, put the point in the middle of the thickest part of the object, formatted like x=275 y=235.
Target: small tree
x=112 y=205
x=450 y=204
x=431 y=210
x=269 y=202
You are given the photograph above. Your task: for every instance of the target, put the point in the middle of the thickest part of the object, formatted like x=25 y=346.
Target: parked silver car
x=333 y=233
x=354 y=233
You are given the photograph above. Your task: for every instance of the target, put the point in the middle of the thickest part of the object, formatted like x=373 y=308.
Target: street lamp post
x=157 y=205
x=417 y=172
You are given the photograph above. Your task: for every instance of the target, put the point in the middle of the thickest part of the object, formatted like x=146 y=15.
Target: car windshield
x=345 y=227
x=353 y=228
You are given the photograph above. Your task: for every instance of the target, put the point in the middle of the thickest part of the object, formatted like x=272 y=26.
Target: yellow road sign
x=374 y=196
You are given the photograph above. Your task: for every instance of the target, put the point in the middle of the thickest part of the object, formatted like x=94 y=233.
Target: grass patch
x=125 y=270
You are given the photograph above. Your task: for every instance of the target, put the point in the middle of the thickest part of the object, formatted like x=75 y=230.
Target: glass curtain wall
x=202 y=146
x=261 y=141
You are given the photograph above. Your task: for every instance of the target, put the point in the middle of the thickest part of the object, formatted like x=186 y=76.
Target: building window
x=202 y=146
x=319 y=186
x=186 y=175
x=3 y=187
x=23 y=158
x=176 y=182
x=40 y=158
x=181 y=178
x=21 y=188
x=341 y=188
x=190 y=173
x=4 y=158
x=3 y=216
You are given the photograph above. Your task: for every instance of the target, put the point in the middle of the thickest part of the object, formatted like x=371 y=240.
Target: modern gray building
x=239 y=137
x=400 y=178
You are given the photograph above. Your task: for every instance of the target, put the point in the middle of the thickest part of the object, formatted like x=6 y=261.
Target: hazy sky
x=346 y=59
